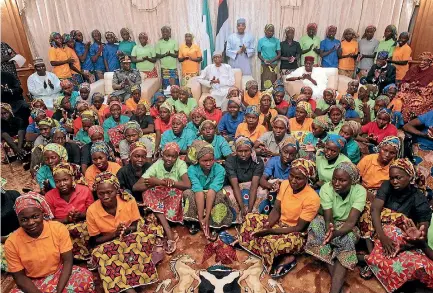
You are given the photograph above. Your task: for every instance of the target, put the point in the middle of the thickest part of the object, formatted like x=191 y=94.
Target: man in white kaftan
x=219 y=77
x=240 y=48
x=43 y=84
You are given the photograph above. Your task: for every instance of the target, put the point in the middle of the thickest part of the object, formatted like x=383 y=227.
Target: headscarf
x=36 y=100
x=198 y=150
x=304 y=88
x=269 y=26
x=155 y=97
x=213 y=123
x=110 y=178
x=354 y=125
x=67 y=168
x=312 y=25
x=136 y=87
x=243 y=140
x=306 y=106
x=85 y=86
x=288 y=29
x=428 y=56
x=167 y=106
x=33 y=200
x=171 y=146
x=7 y=107
x=329 y=28
x=388 y=87
x=134 y=126
x=393 y=141
x=200 y=111
x=129 y=32
x=251 y=83
x=174 y=87
x=66 y=38
x=269 y=94
x=111 y=34
x=113 y=103
x=289 y=141
x=65 y=83
x=89 y=115
x=340 y=108
x=97 y=94
x=331 y=91
x=338 y=140
x=252 y=110
x=58 y=149
x=36 y=112
x=350 y=30
x=212 y=99
x=283 y=119
x=350 y=101
x=51 y=39
x=136 y=146
x=47 y=121
x=382 y=55
x=393 y=29
x=58 y=129
x=367 y=28
x=323 y=122
x=385 y=111
x=350 y=169
x=406 y=165
x=307 y=168
x=166 y=27
x=181 y=117
x=101 y=147
x=95 y=129
x=278 y=89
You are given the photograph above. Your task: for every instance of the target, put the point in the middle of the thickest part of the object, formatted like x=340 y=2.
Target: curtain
x=41 y=17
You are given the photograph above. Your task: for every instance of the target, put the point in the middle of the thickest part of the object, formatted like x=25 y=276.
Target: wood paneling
x=12 y=32
x=422 y=39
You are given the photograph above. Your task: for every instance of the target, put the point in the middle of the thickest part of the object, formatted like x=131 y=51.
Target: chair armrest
x=149 y=87
x=195 y=87
x=96 y=87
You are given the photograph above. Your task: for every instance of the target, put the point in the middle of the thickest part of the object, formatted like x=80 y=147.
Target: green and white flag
x=206 y=42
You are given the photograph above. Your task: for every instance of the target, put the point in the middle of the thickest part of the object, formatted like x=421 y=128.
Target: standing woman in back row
x=144 y=56
x=127 y=44
x=367 y=51
x=96 y=51
x=269 y=52
x=190 y=57
x=167 y=51
x=390 y=40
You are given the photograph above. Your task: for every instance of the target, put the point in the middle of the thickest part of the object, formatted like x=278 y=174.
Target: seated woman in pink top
x=378 y=129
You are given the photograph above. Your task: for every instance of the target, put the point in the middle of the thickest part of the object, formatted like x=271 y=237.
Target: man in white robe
x=314 y=77
x=43 y=84
x=240 y=48
x=219 y=77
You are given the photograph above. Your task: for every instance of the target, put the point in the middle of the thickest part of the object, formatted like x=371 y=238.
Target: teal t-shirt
x=268 y=47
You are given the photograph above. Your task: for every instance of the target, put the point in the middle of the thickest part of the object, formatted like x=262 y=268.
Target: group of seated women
x=294 y=174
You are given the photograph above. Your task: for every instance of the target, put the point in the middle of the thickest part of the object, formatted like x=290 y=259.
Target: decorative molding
x=146 y=5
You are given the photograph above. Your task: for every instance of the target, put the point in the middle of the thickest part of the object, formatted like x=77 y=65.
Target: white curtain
x=41 y=17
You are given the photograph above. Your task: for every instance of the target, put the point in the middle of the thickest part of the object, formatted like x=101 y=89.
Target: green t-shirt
x=387 y=46
x=430 y=234
x=306 y=42
x=322 y=105
x=329 y=199
x=326 y=170
x=157 y=170
x=140 y=51
x=163 y=47
x=185 y=108
x=358 y=104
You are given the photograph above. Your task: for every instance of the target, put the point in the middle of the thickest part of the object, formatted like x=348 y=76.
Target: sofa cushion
x=108 y=81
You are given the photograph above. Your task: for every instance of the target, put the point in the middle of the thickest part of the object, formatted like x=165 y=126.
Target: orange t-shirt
x=347 y=48
x=99 y=221
x=253 y=136
x=397 y=104
x=254 y=101
x=194 y=51
x=132 y=105
x=77 y=60
x=302 y=205
x=101 y=112
x=401 y=54
x=38 y=257
x=295 y=126
x=60 y=54
x=273 y=112
x=92 y=171
x=371 y=172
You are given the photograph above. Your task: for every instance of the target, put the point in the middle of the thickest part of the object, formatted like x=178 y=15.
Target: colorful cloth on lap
x=407 y=266
x=80 y=240
x=166 y=74
x=164 y=200
x=341 y=248
x=268 y=75
x=271 y=246
x=80 y=281
x=424 y=161
x=186 y=77
x=151 y=74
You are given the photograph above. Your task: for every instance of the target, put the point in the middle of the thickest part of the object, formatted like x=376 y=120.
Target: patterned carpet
x=309 y=276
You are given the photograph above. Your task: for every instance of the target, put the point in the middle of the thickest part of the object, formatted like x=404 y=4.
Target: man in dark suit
x=382 y=73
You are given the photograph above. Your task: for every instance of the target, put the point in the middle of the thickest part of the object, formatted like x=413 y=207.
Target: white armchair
x=149 y=86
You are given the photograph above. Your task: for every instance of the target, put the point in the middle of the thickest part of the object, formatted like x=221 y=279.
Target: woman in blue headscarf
x=157 y=100
x=382 y=73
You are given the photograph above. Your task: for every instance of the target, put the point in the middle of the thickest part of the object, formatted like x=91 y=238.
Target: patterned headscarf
x=340 y=108
x=101 y=147
x=113 y=103
x=198 y=149
x=60 y=129
x=51 y=39
x=283 y=119
x=110 y=178
x=383 y=98
x=252 y=110
x=95 y=129
x=171 y=146
x=289 y=29
x=33 y=200
x=36 y=100
x=167 y=106
x=66 y=38
x=134 y=126
x=323 y=122
x=385 y=111
x=406 y=165
x=388 y=87
x=350 y=30
x=97 y=94
x=85 y=86
x=66 y=168
x=128 y=30
x=136 y=146
x=36 y=112
x=243 y=140
x=181 y=117
x=66 y=83
x=354 y=125
x=393 y=141
x=427 y=56
x=382 y=55
x=307 y=168
x=350 y=101
x=338 y=140
x=289 y=141
x=305 y=106
x=47 y=121
x=350 y=169
x=305 y=88
x=269 y=26
x=89 y=115
x=368 y=28
x=200 y=111
x=211 y=122
x=58 y=149
x=251 y=83
x=174 y=87
x=212 y=99
x=267 y=93
x=7 y=107
x=331 y=91
x=312 y=25
x=136 y=87
x=393 y=29
x=155 y=97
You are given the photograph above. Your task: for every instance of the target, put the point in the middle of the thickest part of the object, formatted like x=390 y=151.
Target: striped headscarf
x=269 y=26
x=350 y=169
x=33 y=200
x=198 y=150
x=305 y=106
x=243 y=140
x=110 y=178
x=171 y=146
x=134 y=126
x=393 y=141
x=136 y=146
x=350 y=101
x=406 y=165
x=58 y=149
x=289 y=141
x=354 y=125
x=7 y=107
x=307 y=168
x=66 y=168
x=252 y=110
x=102 y=147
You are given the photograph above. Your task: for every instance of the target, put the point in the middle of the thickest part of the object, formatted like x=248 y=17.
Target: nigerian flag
x=206 y=42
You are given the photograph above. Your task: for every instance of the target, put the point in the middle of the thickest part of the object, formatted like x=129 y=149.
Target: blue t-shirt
x=99 y=64
x=425 y=143
x=268 y=47
x=80 y=48
x=229 y=125
x=351 y=114
x=274 y=169
x=332 y=59
x=110 y=55
x=32 y=128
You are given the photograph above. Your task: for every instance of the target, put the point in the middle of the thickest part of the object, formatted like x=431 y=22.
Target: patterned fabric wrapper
x=424 y=162
x=3 y=262
x=151 y=74
x=186 y=77
x=342 y=248
x=407 y=266
x=166 y=75
x=270 y=246
x=387 y=216
x=116 y=134
x=165 y=200
x=80 y=240
x=80 y=281
x=268 y=75
x=221 y=214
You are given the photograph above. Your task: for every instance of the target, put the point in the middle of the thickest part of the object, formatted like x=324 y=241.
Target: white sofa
x=200 y=92
x=149 y=86
x=335 y=81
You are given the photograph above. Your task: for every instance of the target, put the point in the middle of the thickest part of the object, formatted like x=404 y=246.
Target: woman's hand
x=262 y=233
x=329 y=234
x=412 y=234
x=390 y=248
x=370 y=196
x=168 y=182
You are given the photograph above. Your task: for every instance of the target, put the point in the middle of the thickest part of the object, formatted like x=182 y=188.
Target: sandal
x=366 y=273
x=171 y=246
x=285 y=269
x=193 y=229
